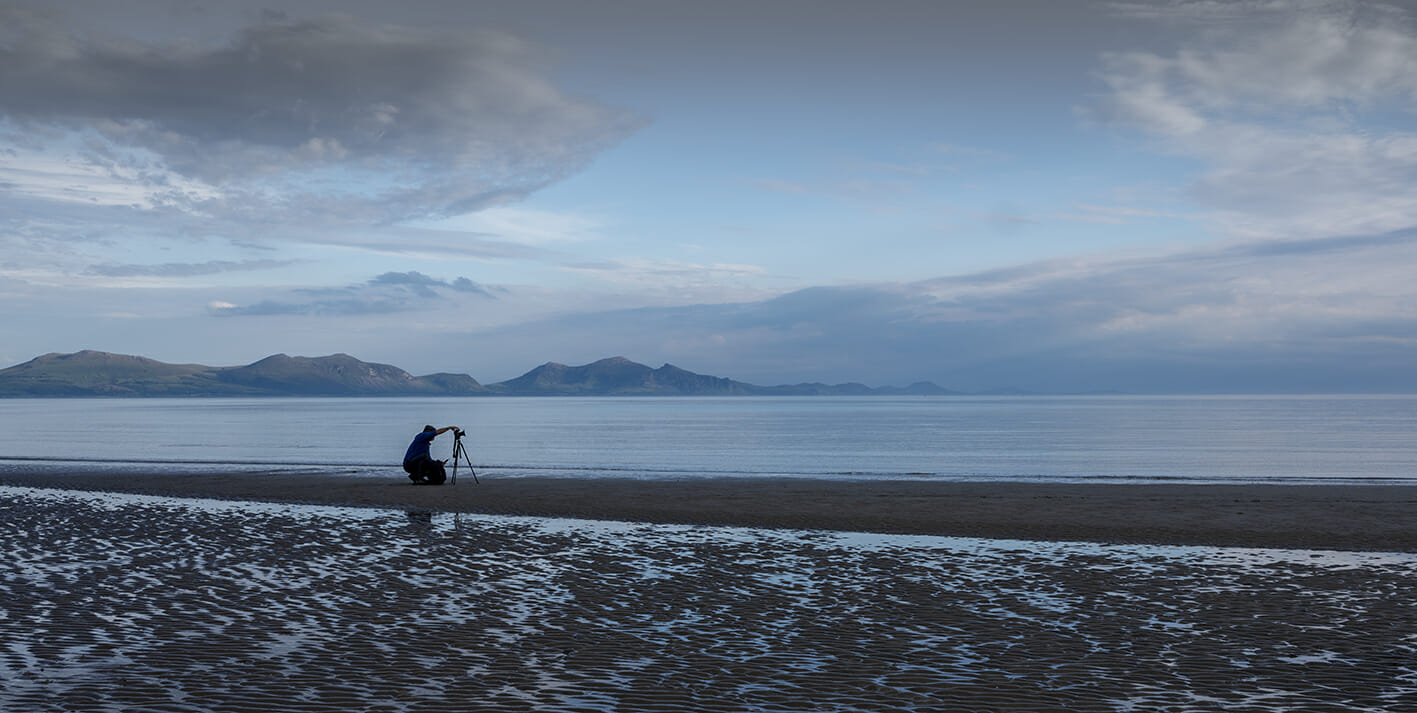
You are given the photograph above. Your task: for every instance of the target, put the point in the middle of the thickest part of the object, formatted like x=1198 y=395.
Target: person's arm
x=445 y=429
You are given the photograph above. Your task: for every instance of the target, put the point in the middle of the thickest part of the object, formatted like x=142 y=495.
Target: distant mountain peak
x=96 y=373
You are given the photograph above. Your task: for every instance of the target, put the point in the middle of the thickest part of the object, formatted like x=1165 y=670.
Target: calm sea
x=1103 y=438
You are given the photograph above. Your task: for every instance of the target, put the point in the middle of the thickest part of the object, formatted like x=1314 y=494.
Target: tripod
x=460 y=453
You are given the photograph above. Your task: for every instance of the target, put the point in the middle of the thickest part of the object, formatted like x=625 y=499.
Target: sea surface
x=1303 y=439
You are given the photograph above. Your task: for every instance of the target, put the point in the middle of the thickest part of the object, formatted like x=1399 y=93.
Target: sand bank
x=1346 y=517
x=132 y=603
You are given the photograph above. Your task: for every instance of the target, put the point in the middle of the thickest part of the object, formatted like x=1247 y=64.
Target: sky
x=1153 y=196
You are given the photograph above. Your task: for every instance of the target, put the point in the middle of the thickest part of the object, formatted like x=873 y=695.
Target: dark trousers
x=425 y=470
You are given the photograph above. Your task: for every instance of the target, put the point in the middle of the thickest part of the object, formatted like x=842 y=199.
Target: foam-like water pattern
x=129 y=603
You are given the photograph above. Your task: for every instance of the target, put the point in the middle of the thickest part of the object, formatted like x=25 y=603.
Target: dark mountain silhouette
x=94 y=373
x=91 y=373
x=340 y=375
x=617 y=376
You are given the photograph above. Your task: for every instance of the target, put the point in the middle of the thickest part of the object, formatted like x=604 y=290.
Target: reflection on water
x=138 y=603
x=1201 y=439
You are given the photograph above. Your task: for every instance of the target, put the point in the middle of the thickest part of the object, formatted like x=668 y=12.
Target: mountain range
x=94 y=373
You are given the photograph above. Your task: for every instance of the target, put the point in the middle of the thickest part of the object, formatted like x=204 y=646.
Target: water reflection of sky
x=119 y=601
x=1117 y=438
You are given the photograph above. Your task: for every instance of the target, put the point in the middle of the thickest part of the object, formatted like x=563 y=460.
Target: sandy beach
x=147 y=603
x=1343 y=517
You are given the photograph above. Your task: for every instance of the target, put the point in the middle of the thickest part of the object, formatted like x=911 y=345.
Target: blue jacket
x=419 y=447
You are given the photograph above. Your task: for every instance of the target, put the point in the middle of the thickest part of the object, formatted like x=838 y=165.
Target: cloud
x=389 y=293
x=424 y=286
x=524 y=226
x=1241 y=13
x=183 y=269
x=326 y=119
x=1319 y=314
x=1300 y=111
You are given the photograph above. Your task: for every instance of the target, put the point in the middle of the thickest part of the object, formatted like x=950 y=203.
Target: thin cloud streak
x=389 y=293
x=178 y=269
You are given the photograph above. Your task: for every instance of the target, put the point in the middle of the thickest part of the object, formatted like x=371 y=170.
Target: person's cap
x=428 y=428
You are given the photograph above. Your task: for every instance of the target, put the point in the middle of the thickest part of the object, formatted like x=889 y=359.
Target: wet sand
x=1342 y=517
x=142 y=603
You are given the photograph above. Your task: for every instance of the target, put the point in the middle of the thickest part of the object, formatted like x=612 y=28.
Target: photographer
x=417 y=461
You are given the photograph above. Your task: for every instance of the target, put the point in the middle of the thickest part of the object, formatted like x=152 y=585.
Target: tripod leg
x=463 y=452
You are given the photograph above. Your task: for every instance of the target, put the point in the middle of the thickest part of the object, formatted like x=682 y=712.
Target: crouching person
x=419 y=464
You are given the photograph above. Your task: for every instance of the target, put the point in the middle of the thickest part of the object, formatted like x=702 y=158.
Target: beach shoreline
x=1335 y=517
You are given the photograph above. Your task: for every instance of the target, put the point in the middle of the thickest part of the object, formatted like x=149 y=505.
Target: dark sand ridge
x=1345 y=517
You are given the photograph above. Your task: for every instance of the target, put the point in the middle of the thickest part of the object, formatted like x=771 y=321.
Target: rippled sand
x=137 y=603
